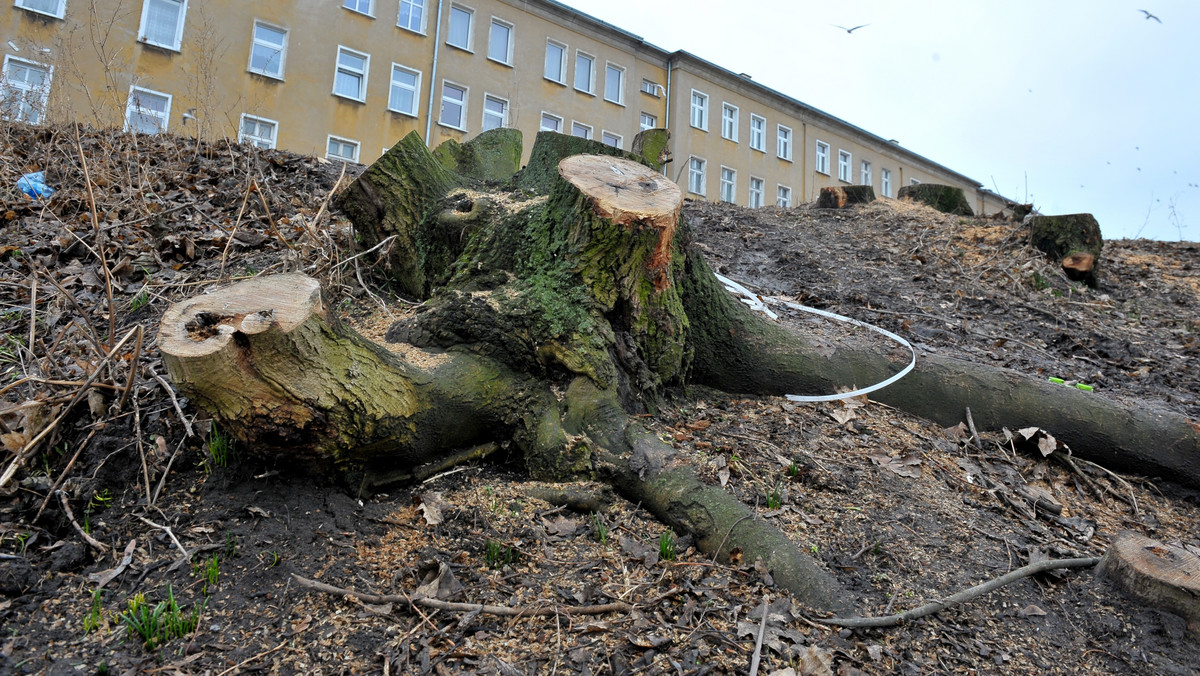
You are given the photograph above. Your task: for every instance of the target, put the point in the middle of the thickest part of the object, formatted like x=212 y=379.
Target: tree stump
x=653 y=146
x=1162 y=576
x=945 y=198
x=494 y=155
x=1073 y=240
x=840 y=197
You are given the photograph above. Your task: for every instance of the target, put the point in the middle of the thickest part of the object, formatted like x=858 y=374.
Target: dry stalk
x=87 y=180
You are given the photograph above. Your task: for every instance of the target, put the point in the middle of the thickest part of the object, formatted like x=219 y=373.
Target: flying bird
x=851 y=30
x=1150 y=16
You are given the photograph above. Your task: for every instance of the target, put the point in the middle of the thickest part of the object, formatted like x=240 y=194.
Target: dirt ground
x=895 y=507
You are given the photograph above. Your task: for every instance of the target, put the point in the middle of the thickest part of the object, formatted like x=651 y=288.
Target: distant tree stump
x=945 y=198
x=1159 y=575
x=1073 y=240
x=653 y=146
x=840 y=197
x=494 y=155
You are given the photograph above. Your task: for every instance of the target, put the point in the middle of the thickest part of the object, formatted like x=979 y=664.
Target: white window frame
x=653 y=122
x=178 y=39
x=729 y=121
x=699 y=117
x=342 y=141
x=357 y=8
x=338 y=69
x=821 y=163
x=591 y=72
x=609 y=69
x=845 y=160
x=466 y=47
x=606 y=135
x=783 y=143
x=255 y=43
x=758 y=188
x=562 y=62
x=421 y=22
x=758 y=134
x=557 y=119
x=165 y=116
x=416 y=89
x=462 y=115
x=57 y=14
x=254 y=139
x=510 y=40
x=696 y=175
x=885 y=182
x=651 y=87
x=913 y=181
x=728 y=191
x=36 y=97
x=587 y=129
x=783 y=196
x=487 y=113
x=864 y=175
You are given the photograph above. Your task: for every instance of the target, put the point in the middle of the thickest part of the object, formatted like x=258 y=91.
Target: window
x=495 y=112
x=584 y=70
x=556 y=62
x=360 y=6
x=729 y=122
x=756 y=192
x=412 y=15
x=342 y=149
x=267 y=50
x=162 y=23
x=610 y=139
x=147 y=111
x=696 y=175
x=650 y=87
x=454 y=106
x=404 y=96
x=614 y=84
x=913 y=181
x=257 y=131
x=783 y=142
x=581 y=130
x=350 y=79
x=648 y=121
x=843 y=166
x=500 y=42
x=885 y=182
x=783 y=198
x=23 y=90
x=728 y=184
x=822 y=163
x=551 y=123
x=699 y=110
x=52 y=7
x=459 y=34
x=758 y=133
x=865 y=175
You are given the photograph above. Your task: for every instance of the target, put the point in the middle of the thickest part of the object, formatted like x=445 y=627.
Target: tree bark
x=1073 y=240
x=945 y=198
x=1163 y=576
x=840 y=197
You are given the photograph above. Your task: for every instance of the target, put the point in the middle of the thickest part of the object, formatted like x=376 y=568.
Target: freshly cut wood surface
x=1160 y=575
x=624 y=191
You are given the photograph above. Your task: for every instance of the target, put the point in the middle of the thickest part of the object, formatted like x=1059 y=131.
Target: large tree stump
x=945 y=198
x=840 y=197
x=1162 y=576
x=1073 y=240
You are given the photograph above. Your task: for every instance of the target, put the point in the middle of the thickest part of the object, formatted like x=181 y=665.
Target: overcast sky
x=1075 y=105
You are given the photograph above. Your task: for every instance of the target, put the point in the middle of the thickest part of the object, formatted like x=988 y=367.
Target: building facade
x=346 y=79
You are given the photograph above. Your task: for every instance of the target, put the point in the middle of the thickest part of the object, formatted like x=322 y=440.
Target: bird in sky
x=1150 y=16
x=851 y=30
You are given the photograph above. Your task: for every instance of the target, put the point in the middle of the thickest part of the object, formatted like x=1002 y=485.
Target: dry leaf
x=905 y=466
x=1031 y=611
x=431 y=508
x=699 y=425
x=815 y=662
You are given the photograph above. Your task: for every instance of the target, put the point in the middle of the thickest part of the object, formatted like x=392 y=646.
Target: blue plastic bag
x=34 y=185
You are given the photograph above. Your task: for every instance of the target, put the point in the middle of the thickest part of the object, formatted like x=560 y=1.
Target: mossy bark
x=945 y=198
x=653 y=146
x=840 y=197
x=494 y=155
x=1069 y=236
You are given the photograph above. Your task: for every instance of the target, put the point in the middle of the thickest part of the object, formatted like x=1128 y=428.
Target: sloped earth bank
x=901 y=511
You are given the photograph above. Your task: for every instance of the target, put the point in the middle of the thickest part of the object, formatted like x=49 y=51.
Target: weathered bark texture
x=945 y=198
x=1160 y=575
x=550 y=148
x=494 y=155
x=1073 y=240
x=653 y=146
x=840 y=197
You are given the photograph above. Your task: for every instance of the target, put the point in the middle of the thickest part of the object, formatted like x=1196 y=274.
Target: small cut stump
x=840 y=197
x=1073 y=240
x=1159 y=575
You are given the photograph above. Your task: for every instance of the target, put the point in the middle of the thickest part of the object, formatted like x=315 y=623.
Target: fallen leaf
x=843 y=415
x=562 y=527
x=904 y=466
x=259 y=512
x=699 y=425
x=1031 y=611
x=431 y=508
x=815 y=662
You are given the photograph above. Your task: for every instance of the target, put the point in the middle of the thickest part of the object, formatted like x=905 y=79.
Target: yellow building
x=348 y=78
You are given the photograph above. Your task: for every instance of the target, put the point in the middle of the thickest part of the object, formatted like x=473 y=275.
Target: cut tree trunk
x=945 y=198
x=840 y=197
x=1160 y=575
x=547 y=322
x=1073 y=240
